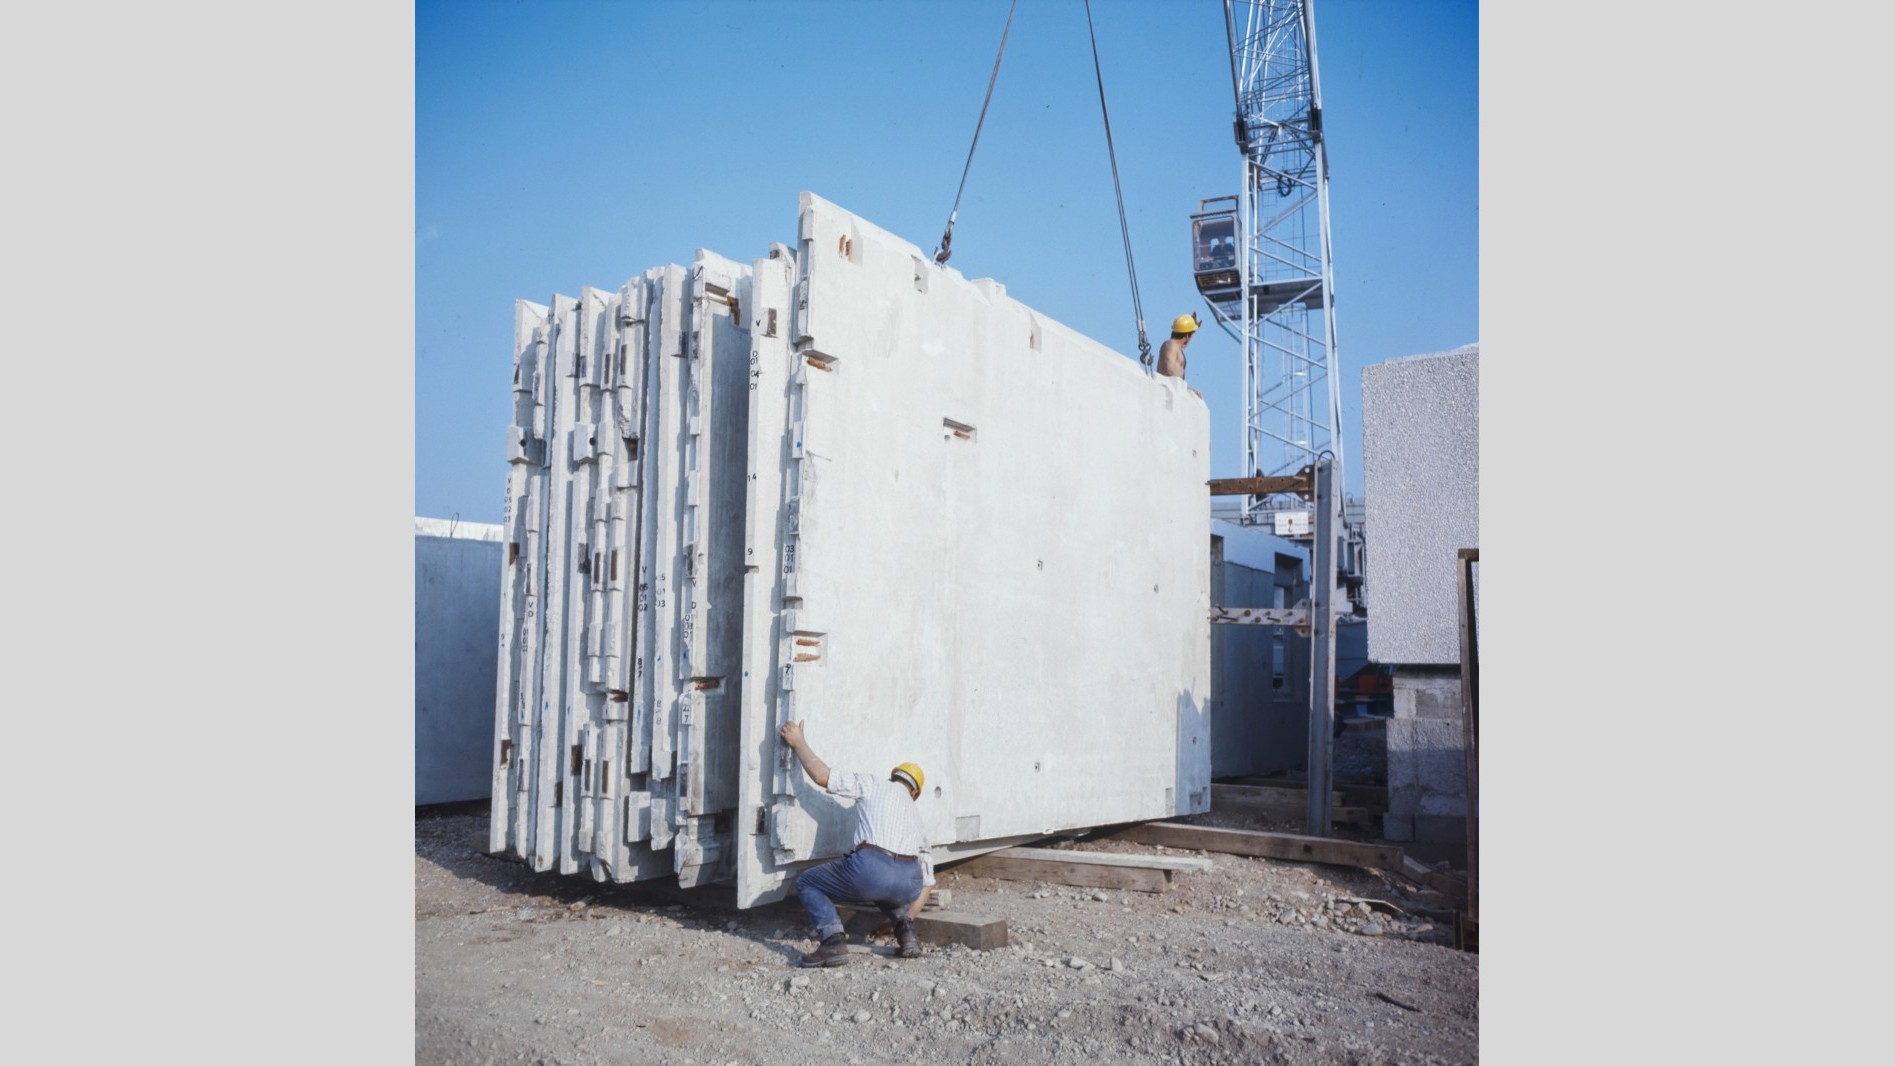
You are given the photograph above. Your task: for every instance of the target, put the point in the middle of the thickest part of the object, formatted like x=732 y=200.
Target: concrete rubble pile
x=846 y=485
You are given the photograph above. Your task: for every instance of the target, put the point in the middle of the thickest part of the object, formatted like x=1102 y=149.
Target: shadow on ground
x=453 y=837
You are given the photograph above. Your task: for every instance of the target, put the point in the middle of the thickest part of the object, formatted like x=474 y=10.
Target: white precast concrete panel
x=710 y=603
x=604 y=766
x=621 y=431
x=645 y=645
x=710 y=599
x=534 y=523
x=531 y=522
x=764 y=765
x=550 y=717
x=581 y=696
x=648 y=315
x=511 y=741
x=665 y=503
x=1002 y=549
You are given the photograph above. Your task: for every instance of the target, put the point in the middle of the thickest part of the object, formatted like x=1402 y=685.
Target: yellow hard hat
x=1185 y=324
x=911 y=772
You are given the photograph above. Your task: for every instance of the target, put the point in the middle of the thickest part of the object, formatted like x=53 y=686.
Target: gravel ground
x=1252 y=961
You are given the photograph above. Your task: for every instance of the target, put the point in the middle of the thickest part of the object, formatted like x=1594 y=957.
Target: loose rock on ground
x=1251 y=961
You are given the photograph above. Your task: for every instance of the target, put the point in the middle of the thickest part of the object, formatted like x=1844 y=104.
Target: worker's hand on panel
x=792 y=734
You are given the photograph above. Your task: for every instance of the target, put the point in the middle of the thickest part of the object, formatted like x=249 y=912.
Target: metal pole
x=1322 y=637
x=1470 y=722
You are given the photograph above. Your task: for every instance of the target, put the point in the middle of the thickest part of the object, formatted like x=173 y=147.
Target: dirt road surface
x=1254 y=960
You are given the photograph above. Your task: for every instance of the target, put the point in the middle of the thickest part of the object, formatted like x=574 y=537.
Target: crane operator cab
x=1220 y=282
x=1214 y=252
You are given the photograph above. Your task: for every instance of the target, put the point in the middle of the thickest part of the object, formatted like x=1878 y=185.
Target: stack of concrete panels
x=845 y=485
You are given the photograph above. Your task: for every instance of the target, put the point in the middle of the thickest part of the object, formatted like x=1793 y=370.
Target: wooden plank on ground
x=1264 y=797
x=1346 y=805
x=1285 y=794
x=1290 y=803
x=1449 y=884
x=1010 y=866
x=1294 y=792
x=1267 y=845
x=1186 y=863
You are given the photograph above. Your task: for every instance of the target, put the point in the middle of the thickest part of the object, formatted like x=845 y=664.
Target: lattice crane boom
x=1263 y=261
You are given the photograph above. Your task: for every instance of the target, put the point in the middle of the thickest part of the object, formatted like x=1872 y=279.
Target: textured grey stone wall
x=1421 y=477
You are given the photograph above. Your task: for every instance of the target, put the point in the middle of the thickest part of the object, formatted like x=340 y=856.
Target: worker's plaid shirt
x=884 y=816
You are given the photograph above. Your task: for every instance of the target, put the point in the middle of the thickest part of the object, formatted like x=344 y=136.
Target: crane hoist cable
x=947 y=235
x=1125 y=233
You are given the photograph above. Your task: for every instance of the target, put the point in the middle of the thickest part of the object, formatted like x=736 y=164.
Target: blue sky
x=562 y=144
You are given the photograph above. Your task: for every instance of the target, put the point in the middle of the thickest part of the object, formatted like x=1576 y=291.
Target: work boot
x=905 y=936
x=833 y=951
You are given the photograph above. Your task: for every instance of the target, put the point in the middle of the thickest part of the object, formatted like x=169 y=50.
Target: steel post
x=1322 y=638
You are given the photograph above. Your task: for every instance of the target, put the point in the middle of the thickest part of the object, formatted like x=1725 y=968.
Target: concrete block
x=982 y=932
x=1421 y=479
x=1398 y=827
x=946 y=927
x=1425 y=767
x=1428 y=697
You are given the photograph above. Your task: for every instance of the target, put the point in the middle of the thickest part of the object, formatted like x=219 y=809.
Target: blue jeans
x=860 y=880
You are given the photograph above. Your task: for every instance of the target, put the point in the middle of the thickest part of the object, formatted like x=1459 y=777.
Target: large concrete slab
x=517 y=684
x=1000 y=554
x=1421 y=476
x=708 y=677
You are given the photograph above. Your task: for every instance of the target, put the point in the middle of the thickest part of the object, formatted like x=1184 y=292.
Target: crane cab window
x=1214 y=240
x=1214 y=255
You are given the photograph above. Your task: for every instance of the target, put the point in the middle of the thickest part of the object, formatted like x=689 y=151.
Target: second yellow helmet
x=1185 y=324
x=911 y=772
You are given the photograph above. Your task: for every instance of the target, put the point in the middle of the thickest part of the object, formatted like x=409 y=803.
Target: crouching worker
x=889 y=867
